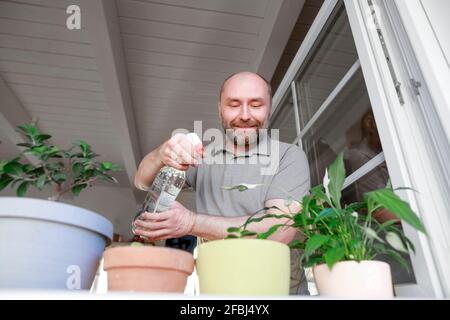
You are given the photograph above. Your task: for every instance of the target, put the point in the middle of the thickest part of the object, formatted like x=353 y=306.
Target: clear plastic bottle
x=167 y=185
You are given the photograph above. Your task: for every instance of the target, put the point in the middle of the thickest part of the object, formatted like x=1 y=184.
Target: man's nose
x=245 y=113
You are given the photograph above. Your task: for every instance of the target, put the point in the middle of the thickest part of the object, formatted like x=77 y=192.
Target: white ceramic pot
x=243 y=267
x=49 y=245
x=353 y=280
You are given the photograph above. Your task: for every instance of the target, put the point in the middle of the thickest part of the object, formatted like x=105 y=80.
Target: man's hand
x=173 y=223
x=178 y=152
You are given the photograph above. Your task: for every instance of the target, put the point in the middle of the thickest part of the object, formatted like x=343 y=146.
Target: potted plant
x=147 y=268
x=341 y=241
x=245 y=263
x=45 y=243
x=242 y=266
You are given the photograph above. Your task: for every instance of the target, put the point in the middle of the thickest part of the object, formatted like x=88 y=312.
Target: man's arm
x=147 y=170
x=212 y=228
x=176 y=152
x=179 y=221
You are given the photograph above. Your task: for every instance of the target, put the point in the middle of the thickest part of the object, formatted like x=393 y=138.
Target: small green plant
x=69 y=170
x=335 y=232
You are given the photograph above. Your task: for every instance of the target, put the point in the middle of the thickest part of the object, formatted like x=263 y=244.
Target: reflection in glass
x=333 y=56
x=285 y=120
x=340 y=128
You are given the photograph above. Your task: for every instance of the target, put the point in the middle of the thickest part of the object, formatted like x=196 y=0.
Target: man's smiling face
x=244 y=107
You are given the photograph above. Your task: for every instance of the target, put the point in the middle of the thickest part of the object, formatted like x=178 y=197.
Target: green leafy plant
x=69 y=170
x=333 y=231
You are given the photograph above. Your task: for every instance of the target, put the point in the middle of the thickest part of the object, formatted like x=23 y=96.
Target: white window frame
x=406 y=155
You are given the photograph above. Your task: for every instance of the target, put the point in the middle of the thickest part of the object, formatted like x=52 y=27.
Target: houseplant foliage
x=334 y=231
x=70 y=170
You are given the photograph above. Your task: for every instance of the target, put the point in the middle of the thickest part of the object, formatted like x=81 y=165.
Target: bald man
x=245 y=103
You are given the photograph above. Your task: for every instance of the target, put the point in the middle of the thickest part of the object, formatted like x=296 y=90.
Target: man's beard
x=243 y=138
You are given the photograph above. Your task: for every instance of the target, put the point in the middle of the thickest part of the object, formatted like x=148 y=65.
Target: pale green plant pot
x=243 y=267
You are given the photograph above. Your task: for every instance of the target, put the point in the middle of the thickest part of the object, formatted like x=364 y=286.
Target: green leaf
x=410 y=244
x=77 y=168
x=84 y=147
x=136 y=244
x=60 y=177
x=312 y=261
x=319 y=193
x=234 y=230
x=242 y=187
x=106 y=165
x=16 y=181
x=26 y=145
x=22 y=189
x=42 y=137
x=266 y=216
x=336 y=174
x=247 y=233
x=271 y=231
x=2 y=164
x=27 y=168
x=53 y=152
x=77 y=189
x=315 y=242
x=334 y=255
x=4 y=181
x=325 y=213
x=389 y=200
x=41 y=181
x=399 y=259
x=387 y=224
x=13 y=168
x=29 y=130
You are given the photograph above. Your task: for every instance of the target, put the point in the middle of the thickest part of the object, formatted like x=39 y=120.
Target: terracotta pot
x=353 y=280
x=151 y=269
x=243 y=267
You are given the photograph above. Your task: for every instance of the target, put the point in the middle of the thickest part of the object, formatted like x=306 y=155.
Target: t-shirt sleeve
x=191 y=177
x=292 y=176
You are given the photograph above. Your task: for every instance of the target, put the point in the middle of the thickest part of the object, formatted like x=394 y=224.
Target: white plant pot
x=49 y=245
x=353 y=280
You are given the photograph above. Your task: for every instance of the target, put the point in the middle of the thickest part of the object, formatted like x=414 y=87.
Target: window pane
x=347 y=125
x=285 y=120
x=332 y=58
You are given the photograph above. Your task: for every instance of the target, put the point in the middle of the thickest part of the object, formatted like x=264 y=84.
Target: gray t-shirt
x=281 y=168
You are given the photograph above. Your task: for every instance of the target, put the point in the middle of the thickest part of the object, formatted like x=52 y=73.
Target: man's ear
x=218 y=108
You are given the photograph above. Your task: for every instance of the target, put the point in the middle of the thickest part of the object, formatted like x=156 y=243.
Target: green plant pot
x=243 y=267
